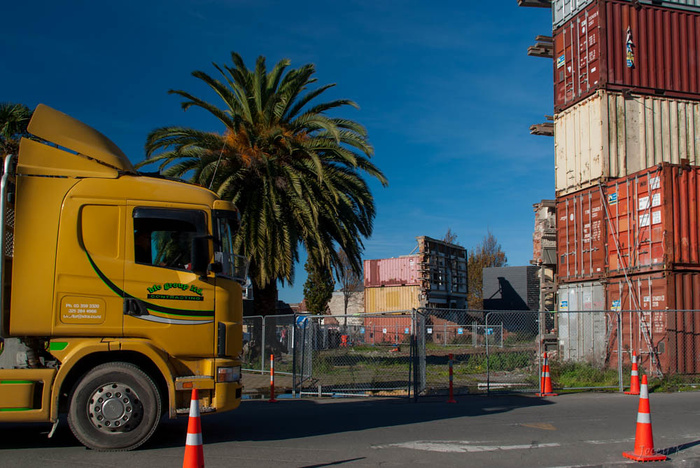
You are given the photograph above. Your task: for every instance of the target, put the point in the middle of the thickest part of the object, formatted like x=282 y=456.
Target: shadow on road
x=259 y=420
x=678 y=448
x=291 y=419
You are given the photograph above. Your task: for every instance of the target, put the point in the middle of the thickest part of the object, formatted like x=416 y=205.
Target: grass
x=580 y=375
x=675 y=383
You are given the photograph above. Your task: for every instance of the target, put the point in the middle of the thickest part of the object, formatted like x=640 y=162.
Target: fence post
x=619 y=351
x=488 y=368
x=262 y=345
x=294 y=357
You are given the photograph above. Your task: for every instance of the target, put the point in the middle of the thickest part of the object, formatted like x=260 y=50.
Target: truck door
x=165 y=301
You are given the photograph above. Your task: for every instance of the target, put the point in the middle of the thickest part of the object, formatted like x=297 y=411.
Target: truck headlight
x=228 y=374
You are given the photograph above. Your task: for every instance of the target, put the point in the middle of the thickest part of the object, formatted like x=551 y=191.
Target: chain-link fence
x=265 y=336
x=354 y=355
x=490 y=350
x=408 y=352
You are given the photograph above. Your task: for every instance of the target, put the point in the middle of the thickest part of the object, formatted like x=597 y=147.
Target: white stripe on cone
x=194 y=439
x=194 y=408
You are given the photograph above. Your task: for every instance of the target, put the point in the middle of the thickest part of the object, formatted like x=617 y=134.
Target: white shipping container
x=612 y=135
x=582 y=322
x=564 y=10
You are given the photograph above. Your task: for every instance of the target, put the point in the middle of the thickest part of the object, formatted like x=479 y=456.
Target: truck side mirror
x=200 y=254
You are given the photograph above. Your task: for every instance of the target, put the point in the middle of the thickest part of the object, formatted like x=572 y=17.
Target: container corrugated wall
x=392 y=271
x=610 y=135
x=675 y=336
x=590 y=52
x=388 y=329
x=581 y=236
x=564 y=10
x=392 y=298
x=582 y=336
x=653 y=217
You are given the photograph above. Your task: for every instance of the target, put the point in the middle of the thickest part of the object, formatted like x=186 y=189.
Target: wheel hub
x=115 y=407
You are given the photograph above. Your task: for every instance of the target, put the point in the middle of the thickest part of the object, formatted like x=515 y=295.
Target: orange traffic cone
x=644 y=439
x=546 y=383
x=194 y=452
x=634 y=382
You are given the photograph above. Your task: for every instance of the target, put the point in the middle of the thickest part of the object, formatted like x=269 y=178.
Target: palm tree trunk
x=265 y=299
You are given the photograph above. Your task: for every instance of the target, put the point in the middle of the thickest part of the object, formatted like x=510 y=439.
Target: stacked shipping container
x=436 y=277
x=627 y=130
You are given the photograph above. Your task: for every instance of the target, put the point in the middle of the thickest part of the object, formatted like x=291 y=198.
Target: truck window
x=163 y=237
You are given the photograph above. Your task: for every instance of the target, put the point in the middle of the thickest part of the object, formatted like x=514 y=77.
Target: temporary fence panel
x=336 y=360
x=490 y=352
x=611 y=135
x=514 y=366
x=267 y=335
x=653 y=218
x=620 y=45
x=660 y=319
x=581 y=236
x=253 y=333
x=582 y=323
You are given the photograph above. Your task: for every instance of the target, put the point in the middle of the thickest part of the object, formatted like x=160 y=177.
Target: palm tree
x=294 y=172
x=14 y=119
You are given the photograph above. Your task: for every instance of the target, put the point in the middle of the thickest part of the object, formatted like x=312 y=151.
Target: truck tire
x=114 y=407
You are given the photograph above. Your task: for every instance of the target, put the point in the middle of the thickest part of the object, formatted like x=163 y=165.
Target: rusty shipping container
x=564 y=10
x=399 y=271
x=611 y=135
x=615 y=45
x=653 y=220
x=387 y=329
x=392 y=298
x=660 y=315
x=581 y=236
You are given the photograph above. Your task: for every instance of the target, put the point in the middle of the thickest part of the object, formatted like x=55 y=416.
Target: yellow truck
x=121 y=292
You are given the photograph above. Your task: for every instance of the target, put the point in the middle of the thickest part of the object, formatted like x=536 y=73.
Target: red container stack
x=637 y=237
x=620 y=45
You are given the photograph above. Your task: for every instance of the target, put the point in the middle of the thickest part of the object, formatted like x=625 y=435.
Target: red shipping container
x=653 y=220
x=661 y=315
x=624 y=46
x=388 y=329
x=581 y=236
x=401 y=271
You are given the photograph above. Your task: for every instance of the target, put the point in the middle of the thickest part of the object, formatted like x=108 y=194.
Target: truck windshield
x=233 y=266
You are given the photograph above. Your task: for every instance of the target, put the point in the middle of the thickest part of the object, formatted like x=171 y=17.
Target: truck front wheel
x=114 y=407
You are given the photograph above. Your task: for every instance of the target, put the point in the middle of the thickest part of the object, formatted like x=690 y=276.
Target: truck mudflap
x=25 y=395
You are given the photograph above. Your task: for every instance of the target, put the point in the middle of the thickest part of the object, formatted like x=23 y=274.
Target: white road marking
x=461 y=446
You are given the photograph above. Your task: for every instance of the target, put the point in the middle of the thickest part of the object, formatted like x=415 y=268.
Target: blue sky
x=446 y=91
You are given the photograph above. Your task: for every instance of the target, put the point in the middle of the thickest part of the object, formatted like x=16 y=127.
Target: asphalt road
x=578 y=430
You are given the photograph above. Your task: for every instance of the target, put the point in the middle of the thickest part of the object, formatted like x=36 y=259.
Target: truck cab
x=121 y=294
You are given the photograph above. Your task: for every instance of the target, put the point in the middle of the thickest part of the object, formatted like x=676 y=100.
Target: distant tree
x=14 y=119
x=486 y=254
x=450 y=237
x=318 y=288
x=349 y=280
